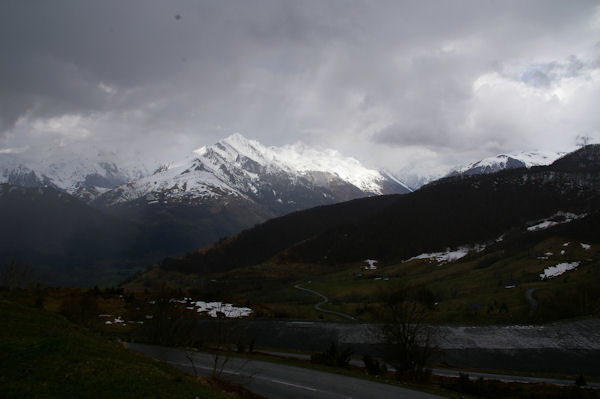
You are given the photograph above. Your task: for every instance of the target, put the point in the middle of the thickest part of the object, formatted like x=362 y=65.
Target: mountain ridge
x=245 y=168
x=507 y=161
x=223 y=189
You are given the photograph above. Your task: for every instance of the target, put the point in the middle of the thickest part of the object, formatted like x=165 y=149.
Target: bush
x=374 y=366
x=81 y=309
x=333 y=357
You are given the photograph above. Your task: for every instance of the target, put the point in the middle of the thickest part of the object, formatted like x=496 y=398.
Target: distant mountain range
x=234 y=166
x=281 y=179
x=83 y=176
x=86 y=220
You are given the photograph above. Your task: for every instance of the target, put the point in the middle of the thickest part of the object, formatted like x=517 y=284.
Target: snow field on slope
x=558 y=218
x=299 y=158
x=555 y=271
x=223 y=170
x=443 y=257
x=68 y=169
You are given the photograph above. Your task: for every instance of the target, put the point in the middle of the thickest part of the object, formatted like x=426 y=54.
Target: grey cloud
x=382 y=72
x=414 y=133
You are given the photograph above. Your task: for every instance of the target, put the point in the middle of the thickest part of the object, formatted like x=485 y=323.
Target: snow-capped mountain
x=510 y=161
x=282 y=178
x=84 y=176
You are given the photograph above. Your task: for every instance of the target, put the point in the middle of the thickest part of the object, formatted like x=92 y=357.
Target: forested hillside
x=448 y=213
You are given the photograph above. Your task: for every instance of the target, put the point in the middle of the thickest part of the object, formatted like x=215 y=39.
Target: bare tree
x=583 y=141
x=222 y=336
x=172 y=325
x=409 y=341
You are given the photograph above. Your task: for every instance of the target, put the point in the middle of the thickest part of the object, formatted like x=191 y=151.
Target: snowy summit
x=243 y=168
x=504 y=161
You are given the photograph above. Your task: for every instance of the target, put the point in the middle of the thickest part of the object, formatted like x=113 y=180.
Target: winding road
x=324 y=301
x=278 y=381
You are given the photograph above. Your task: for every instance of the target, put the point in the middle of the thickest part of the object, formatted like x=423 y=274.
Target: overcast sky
x=409 y=86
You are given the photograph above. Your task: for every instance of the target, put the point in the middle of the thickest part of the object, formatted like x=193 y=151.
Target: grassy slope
x=469 y=290
x=45 y=356
x=466 y=291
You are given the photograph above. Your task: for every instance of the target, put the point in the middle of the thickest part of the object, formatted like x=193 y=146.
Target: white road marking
x=294 y=385
x=202 y=367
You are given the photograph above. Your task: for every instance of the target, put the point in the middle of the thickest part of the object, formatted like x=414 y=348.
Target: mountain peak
x=246 y=168
x=301 y=159
x=507 y=161
x=237 y=139
x=235 y=146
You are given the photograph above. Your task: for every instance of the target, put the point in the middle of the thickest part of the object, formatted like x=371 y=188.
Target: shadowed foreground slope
x=44 y=355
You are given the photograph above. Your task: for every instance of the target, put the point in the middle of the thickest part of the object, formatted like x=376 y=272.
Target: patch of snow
x=585 y=246
x=557 y=270
x=479 y=248
x=566 y=244
x=542 y=226
x=395 y=179
x=443 y=257
x=558 y=218
x=371 y=265
x=562 y=252
x=213 y=308
x=117 y=320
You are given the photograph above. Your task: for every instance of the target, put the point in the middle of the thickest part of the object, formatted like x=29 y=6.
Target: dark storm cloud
x=62 y=54
x=366 y=77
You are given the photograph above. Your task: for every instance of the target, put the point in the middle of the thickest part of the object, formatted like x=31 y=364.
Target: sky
x=414 y=87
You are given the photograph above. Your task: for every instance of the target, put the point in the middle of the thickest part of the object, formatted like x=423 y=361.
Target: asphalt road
x=456 y=373
x=276 y=381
